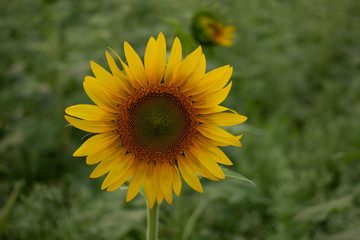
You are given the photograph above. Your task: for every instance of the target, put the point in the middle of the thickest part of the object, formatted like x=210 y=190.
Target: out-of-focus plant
x=208 y=29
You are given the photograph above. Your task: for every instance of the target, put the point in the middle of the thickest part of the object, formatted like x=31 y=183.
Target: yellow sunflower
x=156 y=121
x=209 y=30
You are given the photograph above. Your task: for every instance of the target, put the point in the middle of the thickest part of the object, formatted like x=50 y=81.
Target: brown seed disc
x=157 y=123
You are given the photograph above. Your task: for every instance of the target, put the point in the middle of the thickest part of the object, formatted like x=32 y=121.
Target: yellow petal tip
x=77 y=154
x=151 y=204
x=126 y=45
x=129 y=198
x=92 y=176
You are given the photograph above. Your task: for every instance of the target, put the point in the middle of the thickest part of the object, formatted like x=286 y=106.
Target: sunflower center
x=157 y=123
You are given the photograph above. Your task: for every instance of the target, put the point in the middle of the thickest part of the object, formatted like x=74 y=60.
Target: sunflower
x=209 y=30
x=155 y=122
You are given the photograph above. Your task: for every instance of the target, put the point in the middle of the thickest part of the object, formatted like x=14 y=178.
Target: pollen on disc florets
x=157 y=123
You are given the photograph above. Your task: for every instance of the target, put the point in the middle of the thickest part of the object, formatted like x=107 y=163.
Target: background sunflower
x=296 y=76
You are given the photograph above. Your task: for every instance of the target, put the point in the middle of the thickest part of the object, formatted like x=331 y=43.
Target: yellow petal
x=160 y=197
x=219 y=135
x=189 y=174
x=207 y=161
x=225 y=39
x=161 y=59
x=149 y=189
x=155 y=59
x=100 y=72
x=166 y=179
x=221 y=156
x=108 y=79
x=213 y=99
x=239 y=137
x=95 y=144
x=99 y=95
x=176 y=181
x=124 y=162
x=188 y=67
x=89 y=112
x=213 y=80
x=116 y=96
x=149 y=60
x=194 y=78
x=174 y=62
x=221 y=80
x=222 y=119
x=217 y=152
x=104 y=167
x=122 y=80
x=157 y=184
x=135 y=84
x=121 y=180
x=91 y=126
x=135 y=64
x=96 y=157
x=214 y=109
x=198 y=167
x=218 y=143
x=137 y=180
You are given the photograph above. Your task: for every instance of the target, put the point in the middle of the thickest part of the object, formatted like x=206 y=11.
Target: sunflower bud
x=207 y=29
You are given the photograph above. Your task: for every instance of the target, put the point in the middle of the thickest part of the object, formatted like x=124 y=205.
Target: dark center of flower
x=157 y=123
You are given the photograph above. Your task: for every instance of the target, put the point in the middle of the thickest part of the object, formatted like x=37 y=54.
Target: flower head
x=209 y=30
x=156 y=121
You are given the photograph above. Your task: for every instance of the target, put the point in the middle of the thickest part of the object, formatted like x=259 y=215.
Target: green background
x=296 y=77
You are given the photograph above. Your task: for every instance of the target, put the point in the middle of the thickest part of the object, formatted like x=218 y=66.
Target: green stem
x=152 y=222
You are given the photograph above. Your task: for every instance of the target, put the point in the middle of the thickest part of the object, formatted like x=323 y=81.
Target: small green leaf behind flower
x=238 y=176
x=186 y=39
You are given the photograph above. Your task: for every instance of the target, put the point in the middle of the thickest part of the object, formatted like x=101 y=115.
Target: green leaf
x=231 y=174
x=187 y=42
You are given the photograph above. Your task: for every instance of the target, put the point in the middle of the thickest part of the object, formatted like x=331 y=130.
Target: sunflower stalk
x=152 y=222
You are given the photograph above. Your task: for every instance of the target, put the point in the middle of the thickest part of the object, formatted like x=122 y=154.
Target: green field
x=296 y=77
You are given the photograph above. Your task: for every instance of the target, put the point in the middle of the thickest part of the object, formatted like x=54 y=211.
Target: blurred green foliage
x=296 y=76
